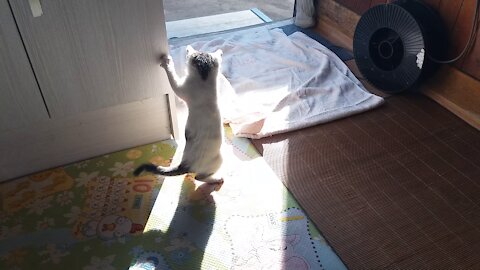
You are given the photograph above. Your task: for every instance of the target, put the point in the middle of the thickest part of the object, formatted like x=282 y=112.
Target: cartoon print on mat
x=22 y=192
x=110 y=227
x=272 y=241
x=53 y=253
x=46 y=219
x=115 y=207
x=90 y=215
x=277 y=253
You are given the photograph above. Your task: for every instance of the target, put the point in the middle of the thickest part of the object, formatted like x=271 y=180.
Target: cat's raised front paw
x=165 y=60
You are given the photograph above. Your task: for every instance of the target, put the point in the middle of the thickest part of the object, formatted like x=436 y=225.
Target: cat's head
x=203 y=63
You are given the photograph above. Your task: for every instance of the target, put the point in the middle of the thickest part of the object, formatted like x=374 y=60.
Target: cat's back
x=201 y=91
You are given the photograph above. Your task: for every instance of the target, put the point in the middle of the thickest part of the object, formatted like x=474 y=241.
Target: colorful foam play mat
x=95 y=214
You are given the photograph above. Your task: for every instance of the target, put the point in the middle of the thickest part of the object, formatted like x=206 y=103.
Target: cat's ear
x=190 y=50
x=218 y=54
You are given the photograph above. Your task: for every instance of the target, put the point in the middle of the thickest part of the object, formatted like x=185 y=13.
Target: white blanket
x=275 y=83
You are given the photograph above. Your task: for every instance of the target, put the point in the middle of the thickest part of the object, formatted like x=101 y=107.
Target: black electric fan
x=393 y=42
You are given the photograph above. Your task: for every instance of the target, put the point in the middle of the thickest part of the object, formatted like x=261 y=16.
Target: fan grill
x=390 y=44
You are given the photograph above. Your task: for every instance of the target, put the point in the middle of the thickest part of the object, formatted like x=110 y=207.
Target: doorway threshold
x=179 y=106
x=215 y=23
x=183 y=41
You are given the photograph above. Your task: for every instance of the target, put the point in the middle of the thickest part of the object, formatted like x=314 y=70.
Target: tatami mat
x=397 y=187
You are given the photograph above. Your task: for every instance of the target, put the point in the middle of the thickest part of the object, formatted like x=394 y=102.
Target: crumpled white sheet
x=275 y=83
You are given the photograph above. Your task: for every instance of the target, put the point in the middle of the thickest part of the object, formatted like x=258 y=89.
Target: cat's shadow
x=190 y=229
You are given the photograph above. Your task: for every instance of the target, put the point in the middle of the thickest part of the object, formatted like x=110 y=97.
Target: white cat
x=204 y=129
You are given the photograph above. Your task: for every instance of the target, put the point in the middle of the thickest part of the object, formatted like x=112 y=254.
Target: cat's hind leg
x=212 y=179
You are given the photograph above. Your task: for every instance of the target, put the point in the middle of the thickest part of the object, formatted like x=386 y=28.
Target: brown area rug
x=397 y=187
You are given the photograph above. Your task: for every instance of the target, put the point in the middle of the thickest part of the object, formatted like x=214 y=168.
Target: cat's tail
x=165 y=171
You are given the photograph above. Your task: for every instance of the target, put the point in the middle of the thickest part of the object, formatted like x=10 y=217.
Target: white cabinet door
x=89 y=55
x=20 y=99
x=96 y=64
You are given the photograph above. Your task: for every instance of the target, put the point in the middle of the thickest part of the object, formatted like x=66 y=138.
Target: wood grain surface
x=89 y=55
x=20 y=99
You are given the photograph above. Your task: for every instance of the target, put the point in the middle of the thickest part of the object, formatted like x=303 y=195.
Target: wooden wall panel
x=457 y=16
x=435 y=3
x=449 y=11
x=462 y=28
x=359 y=6
x=377 y=2
x=471 y=64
